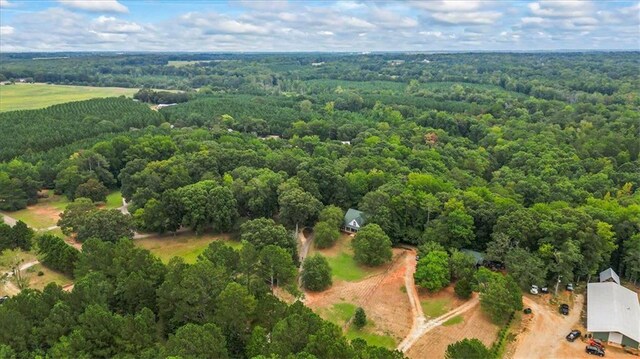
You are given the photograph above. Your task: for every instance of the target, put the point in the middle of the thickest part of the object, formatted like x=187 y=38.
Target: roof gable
x=354 y=218
x=607 y=274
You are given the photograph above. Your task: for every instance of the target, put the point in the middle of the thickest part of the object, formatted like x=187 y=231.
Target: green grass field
x=43 y=214
x=453 y=321
x=344 y=267
x=371 y=338
x=179 y=63
x=33 y=96
x=339 y=313
x=9 y=256
x=340 y=258
x=49 y=275
x=435 y=307
x=114 y=200
x=186 y=245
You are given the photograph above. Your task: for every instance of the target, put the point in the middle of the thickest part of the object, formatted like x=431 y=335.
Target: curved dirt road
x=421 y=325
x=546 y=329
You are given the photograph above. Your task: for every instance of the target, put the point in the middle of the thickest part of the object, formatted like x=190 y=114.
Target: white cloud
x=109 y=24
x=326 y=33
x=468 y=18
x=472 y=12
x=448 y=5
x=6 y=30
x=561 y=9
x=95 y=5
x=392 y=19
x=264 y=4
x=6 y=3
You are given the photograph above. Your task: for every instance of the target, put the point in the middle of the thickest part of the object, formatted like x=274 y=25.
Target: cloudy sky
x=296 y=25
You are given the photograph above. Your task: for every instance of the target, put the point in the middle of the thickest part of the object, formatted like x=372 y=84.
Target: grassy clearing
x=33 y=96
x=179 y=63
x=339 y=313
x=435 y=307
x=114 y=200
x=43 y=214
x=185 y=245
x=372 y=338
x=344 y=267
x=9 y=257
x=453 y=321
x=340 y=258
x=39 y=282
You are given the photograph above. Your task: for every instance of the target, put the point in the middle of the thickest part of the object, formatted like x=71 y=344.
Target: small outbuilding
x=353 y=221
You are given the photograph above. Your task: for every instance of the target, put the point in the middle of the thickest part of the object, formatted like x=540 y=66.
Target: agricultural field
x=179 y=63
x=185 y=245
x=38 y=95
x=45 y=213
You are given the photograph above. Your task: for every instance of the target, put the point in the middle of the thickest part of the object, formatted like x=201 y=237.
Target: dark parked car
x=573 y=335
x=564 y=309
x=527 y=310
x=544 y=290
x=570 y=287
x=593 y=350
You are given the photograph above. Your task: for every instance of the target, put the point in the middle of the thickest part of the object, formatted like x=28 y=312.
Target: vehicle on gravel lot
x=564 y=309
x=570 y=287
x=534 y=289
x=573 y=335
x=594 y=350
x=527 y=310
x=544 y=290
x=596 y=343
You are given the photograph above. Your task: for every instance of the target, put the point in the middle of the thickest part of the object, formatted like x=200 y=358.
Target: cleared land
x=186 y=245
x=546 y=328
x=470 y=324
x=39 y=282
x=33 y=96
x=379 y=293
x=179 y=63
x=114 y=200
x=43 y=214
x=340 y=258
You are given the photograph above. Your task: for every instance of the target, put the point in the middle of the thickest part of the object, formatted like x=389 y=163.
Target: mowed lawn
x=340 y=258
x=43 y=214
x=34 y=96
x=341 y=313
x=114 y=200
x=186 y=245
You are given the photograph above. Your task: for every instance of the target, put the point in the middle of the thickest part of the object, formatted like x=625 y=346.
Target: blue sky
x=280 y=25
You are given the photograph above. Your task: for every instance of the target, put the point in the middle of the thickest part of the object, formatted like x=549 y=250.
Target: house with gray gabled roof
x=353 y=220
x=609 y=275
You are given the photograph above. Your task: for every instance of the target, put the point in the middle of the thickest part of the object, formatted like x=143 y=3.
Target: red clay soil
x=381 y=296
x=475 y=324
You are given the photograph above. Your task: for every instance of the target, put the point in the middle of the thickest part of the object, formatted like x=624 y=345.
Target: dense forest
x=529 y=158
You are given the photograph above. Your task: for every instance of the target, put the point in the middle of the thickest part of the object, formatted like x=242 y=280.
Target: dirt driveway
x=544 y=330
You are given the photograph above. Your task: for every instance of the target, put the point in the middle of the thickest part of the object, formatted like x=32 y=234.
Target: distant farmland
x=34 y=96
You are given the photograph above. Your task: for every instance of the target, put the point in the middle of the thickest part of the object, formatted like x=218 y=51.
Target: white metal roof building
x=613 y=314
